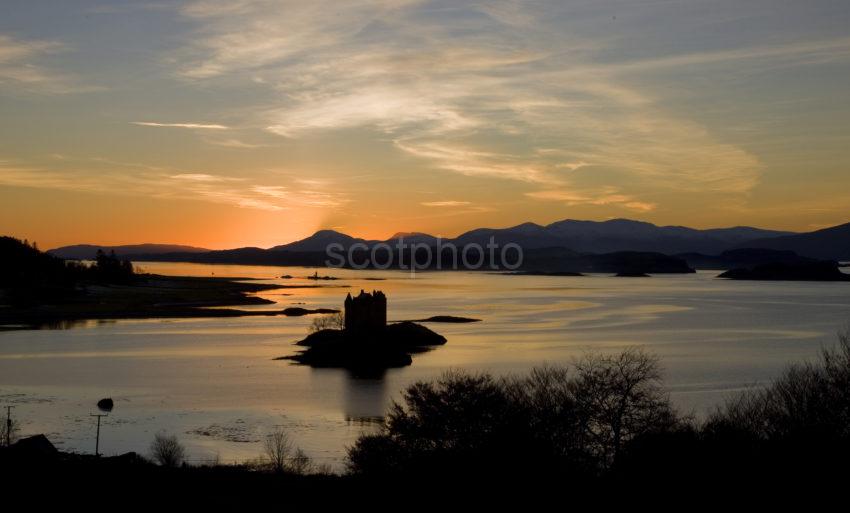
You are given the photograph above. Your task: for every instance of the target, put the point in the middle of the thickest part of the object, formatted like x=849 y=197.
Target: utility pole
x=9 y=425
x=97 y=439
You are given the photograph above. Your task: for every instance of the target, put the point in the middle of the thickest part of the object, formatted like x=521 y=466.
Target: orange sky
x=222 y=124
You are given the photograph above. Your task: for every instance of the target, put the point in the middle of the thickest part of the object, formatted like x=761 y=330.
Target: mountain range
x=581 y=237
x=828 y=243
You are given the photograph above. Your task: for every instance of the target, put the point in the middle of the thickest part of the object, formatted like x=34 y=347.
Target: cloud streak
x=446 y=203
x=607 y=196
x=200 y=126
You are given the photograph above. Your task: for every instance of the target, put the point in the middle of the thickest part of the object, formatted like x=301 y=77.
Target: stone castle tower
x=366 y=312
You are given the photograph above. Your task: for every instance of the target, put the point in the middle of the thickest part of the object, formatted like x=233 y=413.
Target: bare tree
x=334 y=321
x=167 y=450
x=300 y=463
x=619 y=397
x=278 y=449
x=13 y=431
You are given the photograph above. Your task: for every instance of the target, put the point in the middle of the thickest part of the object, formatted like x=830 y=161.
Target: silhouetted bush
x=300 y=463
x=802 y=418
x=555 y=419
x=609 y=416
x=334 y=321
x=797 y=427
x=167 y=450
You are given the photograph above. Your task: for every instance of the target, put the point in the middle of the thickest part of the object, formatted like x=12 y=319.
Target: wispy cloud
x=19 y=67
x=493 y=91
x=235 y=143
x=789 y=53
x=447 y=203
x=609 y=196
x=203 y=177
x=201 y=126
x=102 y=176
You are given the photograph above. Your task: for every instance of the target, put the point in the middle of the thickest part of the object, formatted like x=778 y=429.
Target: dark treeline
x=27 y=274
x=607 y=418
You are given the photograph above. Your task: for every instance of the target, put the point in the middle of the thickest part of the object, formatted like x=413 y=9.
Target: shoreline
x=153 y=297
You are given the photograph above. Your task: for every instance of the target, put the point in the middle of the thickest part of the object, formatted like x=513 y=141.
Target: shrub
x=807 y=402
x=300 y=463
x=334 y=321
x=167 y=450
x=577 y=419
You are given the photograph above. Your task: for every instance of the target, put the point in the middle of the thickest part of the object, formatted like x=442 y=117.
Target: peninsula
x=41 y=290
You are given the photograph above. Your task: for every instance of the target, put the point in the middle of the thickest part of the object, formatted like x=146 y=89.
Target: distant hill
x=319 y=241
x=527 y=235
x=412 y=238
x=743 y=258
x=619 y=235
x=829 y=243
x=709 y=248
x=628 y=235
x=89 y=251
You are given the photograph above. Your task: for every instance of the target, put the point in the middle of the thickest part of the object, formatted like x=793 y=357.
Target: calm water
x=214 y=382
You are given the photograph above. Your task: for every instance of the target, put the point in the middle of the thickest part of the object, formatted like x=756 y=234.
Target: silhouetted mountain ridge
x=579 y=237
x=828 y=243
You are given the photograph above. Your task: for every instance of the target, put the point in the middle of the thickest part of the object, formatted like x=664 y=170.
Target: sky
x=228 y=123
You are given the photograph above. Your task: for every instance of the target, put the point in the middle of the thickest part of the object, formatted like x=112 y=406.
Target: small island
x=631 y=274
x=365 y=344
x=818 y=270
x=452 y=319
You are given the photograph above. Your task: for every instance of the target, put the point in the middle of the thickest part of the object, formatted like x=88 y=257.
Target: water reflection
x=365 y=399
x=58 y=324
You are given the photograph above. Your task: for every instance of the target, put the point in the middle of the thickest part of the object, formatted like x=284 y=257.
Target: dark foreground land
x=126 y=487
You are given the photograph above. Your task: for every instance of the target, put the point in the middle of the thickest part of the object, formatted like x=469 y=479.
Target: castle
x=366 y=312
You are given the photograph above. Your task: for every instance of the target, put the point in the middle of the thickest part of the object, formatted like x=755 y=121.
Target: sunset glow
x=254 y=123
